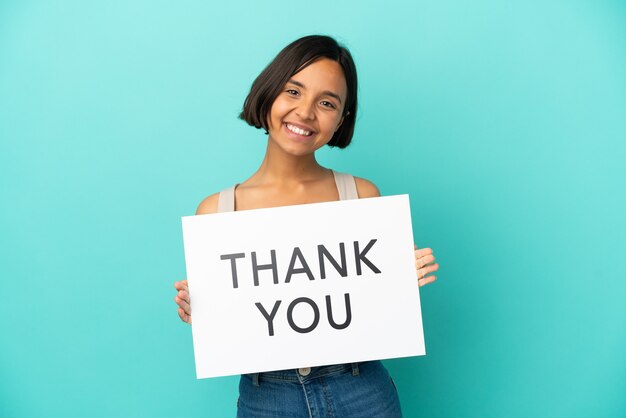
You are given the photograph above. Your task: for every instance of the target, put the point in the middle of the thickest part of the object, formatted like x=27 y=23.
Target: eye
x=328 y=104
x=292 y=92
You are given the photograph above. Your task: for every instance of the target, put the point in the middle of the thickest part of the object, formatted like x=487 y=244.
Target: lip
x=296 y=136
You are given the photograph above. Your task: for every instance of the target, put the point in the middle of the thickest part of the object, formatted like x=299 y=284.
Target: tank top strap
x=226 y=200
x=346 y=186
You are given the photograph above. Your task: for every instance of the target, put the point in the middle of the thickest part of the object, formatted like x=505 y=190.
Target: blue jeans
x=359 y=390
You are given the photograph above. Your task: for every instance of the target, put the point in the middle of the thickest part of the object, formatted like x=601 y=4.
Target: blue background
x=504 y=121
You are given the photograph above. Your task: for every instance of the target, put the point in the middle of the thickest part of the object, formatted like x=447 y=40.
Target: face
x=309 y=109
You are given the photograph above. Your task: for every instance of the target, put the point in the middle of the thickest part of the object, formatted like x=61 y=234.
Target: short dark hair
x=293 y=58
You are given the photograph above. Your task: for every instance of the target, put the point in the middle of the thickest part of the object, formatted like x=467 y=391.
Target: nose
x=306 y=109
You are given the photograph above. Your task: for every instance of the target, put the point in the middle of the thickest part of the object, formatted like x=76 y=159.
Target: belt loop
x=355 y=369
x=255 y=379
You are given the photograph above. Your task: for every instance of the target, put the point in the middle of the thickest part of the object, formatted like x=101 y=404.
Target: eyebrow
x=326 y=92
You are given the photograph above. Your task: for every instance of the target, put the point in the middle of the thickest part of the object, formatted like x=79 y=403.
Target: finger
x=183 y=316
x=423 y=252
x=180 y=285
x=184 y=295
x=426 y=270
x=421 y=262
x=183 y=304
x=429 y=269
x=426 y=280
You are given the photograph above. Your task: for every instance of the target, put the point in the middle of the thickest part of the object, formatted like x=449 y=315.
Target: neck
x=283 y=168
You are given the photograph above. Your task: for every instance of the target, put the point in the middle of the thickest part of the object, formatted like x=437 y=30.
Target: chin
x=297 y=149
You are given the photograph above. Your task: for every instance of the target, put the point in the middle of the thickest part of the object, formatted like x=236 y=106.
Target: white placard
x=310 y=306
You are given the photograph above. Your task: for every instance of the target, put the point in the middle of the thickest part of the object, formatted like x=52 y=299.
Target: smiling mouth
x=297 y=130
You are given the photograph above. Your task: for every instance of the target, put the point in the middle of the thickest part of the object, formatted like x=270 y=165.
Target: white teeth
x=297 y=130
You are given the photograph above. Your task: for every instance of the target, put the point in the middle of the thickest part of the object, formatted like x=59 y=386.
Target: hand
x=425 y=264
x=182 y=300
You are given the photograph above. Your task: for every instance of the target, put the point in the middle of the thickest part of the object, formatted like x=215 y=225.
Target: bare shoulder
x=366 y=188
x=208 y=205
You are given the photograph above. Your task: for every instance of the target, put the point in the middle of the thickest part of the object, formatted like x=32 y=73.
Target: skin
x=313 y=100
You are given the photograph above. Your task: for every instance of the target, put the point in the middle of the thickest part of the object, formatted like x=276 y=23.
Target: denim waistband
x=293 y=375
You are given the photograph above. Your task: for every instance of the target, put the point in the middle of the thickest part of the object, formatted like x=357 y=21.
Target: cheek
x=331 y=122
x=279 y=108
x=275 y=115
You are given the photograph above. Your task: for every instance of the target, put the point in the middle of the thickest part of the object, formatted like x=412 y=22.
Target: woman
x=306 y=98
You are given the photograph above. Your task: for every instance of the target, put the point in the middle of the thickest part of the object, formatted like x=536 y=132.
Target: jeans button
x=305 y=371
